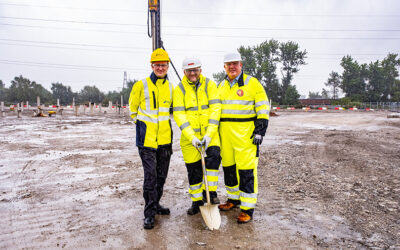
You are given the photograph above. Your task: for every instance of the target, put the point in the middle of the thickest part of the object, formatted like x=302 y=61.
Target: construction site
x=327 y=179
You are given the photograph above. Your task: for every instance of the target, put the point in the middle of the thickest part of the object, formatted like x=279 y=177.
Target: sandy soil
x=326 y=180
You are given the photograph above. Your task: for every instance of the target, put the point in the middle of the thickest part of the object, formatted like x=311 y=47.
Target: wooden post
x=73 y=103
x=38 y=102
x=76 y=110
x=91 y=107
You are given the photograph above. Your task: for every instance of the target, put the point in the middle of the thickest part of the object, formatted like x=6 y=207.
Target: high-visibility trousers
x=192 y=160
x=239 y=162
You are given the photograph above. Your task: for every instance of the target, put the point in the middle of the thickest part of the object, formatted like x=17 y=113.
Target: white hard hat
x=232 y=57
x=190 y=63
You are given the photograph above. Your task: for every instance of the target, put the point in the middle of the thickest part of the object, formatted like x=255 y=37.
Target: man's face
x=160 y=68
x=233 y=69
x=193 y=74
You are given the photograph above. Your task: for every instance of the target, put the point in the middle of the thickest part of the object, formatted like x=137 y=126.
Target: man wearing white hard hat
x=197 y=109
x=243 y=123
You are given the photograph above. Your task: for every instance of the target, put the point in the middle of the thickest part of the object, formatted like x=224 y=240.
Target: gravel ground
x=326 y=180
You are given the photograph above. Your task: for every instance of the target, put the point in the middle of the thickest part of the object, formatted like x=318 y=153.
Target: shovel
x=210 y=213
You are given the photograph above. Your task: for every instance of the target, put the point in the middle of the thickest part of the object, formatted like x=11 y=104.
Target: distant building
x=310 y=102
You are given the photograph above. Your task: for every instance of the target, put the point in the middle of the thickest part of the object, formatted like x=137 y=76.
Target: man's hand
x=206 y=141
x=196 y=142
x=257 y=140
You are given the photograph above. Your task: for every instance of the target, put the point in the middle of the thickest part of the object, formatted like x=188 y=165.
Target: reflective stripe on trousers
x=196 y=192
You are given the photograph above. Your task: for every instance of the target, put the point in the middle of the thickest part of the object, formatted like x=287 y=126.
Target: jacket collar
x=154 y=78
x=240 y=80
x=197 y=84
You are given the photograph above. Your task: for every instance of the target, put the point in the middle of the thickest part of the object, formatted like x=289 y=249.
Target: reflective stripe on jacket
x=149 y=103
x=197 y=112
x=244 y=101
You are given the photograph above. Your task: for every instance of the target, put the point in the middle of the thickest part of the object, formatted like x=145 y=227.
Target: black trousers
x=155 y=166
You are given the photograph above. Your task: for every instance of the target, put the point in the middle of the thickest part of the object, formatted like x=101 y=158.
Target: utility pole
x=154 y=8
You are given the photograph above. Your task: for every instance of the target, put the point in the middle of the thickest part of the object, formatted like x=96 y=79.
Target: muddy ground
x=326 y=180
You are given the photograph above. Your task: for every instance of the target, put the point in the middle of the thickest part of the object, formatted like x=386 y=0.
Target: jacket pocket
x=140 y=133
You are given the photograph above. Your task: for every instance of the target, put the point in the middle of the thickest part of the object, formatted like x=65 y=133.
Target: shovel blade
x=211 y=216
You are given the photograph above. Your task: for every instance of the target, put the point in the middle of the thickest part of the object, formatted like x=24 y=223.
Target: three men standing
x=239 y=106
x=197 y=109
x=243 y=123
x=149 y=104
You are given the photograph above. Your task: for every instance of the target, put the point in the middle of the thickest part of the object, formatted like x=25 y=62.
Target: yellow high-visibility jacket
x=245 y=101
x=197 y=112
x=149 y=103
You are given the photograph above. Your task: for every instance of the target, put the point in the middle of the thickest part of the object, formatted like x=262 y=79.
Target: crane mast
x=154 y=9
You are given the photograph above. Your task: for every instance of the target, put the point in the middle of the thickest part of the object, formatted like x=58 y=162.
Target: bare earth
x=326 y=180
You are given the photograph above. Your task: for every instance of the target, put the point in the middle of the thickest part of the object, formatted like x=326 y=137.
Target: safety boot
x=148 y=222
x=213 y=197
x=227 y=206
x=195 y=208
x=162 y=210
x=243 y=218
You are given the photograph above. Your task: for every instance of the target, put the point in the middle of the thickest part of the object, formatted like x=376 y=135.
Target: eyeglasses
x=193 y=70
x=160 y=65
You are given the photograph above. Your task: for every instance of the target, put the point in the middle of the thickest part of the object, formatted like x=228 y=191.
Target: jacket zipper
x=154 y=100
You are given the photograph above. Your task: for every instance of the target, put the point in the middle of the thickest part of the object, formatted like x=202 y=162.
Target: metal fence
x=391 y=106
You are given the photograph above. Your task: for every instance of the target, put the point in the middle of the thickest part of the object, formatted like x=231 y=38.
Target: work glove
x=196 y=142
x=257 y=139
x=206 y=141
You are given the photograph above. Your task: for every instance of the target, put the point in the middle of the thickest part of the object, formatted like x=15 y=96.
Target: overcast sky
x=91 y=42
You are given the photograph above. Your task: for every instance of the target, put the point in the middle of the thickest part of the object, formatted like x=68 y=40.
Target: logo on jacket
x=240 y=92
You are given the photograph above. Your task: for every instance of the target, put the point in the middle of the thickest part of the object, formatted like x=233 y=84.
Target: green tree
x=90 y=94
x=353 y=79
x=395 y=96
x=325 y=93
x=22 y=89
x=64 y=93
x=3 y=91
x=334 y=83
x=115 y=96
x=291 y=58
x=218 y=77
x=126 y=92
x=314 y=95
x=261 y=62
x=291 y=96
x=375 y=86
x=390 y=71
